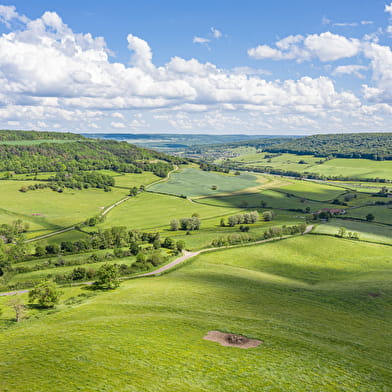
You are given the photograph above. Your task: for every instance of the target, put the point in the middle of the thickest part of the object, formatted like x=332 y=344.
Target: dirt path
x=185 y=256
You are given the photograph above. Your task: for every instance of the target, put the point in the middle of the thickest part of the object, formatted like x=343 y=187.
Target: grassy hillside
x=323 y=316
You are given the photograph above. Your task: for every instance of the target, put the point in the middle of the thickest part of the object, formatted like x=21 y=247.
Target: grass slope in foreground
x=321 y=305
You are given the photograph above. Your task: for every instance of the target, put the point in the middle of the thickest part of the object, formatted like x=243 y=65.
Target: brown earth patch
x=231 y=340
x=374 y=295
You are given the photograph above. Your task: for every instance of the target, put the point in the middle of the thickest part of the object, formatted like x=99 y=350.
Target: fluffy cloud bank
x=52 y=75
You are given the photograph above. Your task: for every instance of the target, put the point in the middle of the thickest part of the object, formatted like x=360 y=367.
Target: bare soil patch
x=232 y=340
x=374 y=295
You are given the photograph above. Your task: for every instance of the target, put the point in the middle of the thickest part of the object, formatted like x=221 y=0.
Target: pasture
x=372 y=232
x=149 y=211
x=312 y=190
x=355 y=168
x=47 y=211
x=323 y=315
x=382 y=214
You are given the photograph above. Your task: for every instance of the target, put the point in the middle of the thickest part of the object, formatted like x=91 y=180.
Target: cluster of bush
x=187 y=224
x=343 y=233
x=272 y=232
x=78 y=180
x=13 y=232
x=246 y=218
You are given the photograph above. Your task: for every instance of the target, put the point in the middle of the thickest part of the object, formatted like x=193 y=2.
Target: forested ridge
x=9 y=135
x=82 y=155
x=375 y=146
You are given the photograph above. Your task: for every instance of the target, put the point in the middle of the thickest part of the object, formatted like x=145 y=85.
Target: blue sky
x=253 y=67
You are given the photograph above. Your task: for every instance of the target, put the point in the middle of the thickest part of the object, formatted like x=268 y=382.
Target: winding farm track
x=185 y=256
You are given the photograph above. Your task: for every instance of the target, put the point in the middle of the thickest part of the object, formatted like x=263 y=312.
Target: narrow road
x=115 y=205
x=167 y=178
x=41 y=237
x=185 y=256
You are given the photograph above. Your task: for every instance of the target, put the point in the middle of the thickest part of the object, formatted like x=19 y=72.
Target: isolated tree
x=169 y=243
x=45 y=293
x=223 y=222
x=342 y=232
x=370 y=217
x=140 y=258
x=19 y=308
x=268 y=216
x=174 y=225
x=134 y=248
x=133 y=191
x=180 y=245
x=40 y=251
x=107 y=277
x=263 y=204
x=78 y=273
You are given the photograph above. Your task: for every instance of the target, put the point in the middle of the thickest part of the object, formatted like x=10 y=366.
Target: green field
x=48 y=211
x=367 y=231
x=312 y=190
x=355 y=168
x=323 y=315
x=272 y=198
x=382 y=214
x=151 y=211
x=194 y=182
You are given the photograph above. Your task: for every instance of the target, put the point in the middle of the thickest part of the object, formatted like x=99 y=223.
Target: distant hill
x=78 y=154
x=6 y=135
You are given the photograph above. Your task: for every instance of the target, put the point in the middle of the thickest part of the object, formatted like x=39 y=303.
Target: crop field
x=271 y=198
x=194 y=182
x=367 y=231
x=48 y=211
x=323 y=315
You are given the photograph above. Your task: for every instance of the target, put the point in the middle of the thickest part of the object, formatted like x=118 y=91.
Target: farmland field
x=230 y=250
x=367 y=231
x=47 y=211
x=382 y=214
x=194 y=182
x=355 y=168
x=150 y=211
x=323 y=318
